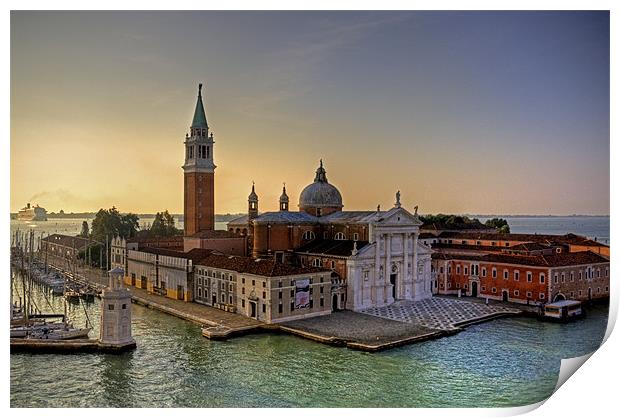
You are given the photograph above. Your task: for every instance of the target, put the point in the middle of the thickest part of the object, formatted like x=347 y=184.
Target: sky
x=463 y=112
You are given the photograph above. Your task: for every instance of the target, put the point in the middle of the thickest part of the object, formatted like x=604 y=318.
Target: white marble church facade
x=394 y=266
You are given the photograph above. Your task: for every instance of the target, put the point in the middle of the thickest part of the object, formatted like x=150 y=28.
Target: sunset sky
x=463 y=112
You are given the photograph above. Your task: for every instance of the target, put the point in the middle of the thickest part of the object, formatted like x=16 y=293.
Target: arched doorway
x=474 y=289
x=504 y=295
x=334 y=302
x=559 y=297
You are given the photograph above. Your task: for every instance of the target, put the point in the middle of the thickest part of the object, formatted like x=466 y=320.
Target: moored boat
x=562 y=310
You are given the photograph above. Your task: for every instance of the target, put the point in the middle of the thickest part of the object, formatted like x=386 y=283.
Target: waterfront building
x=65 y=247
x=522 y=278
x=262 y=289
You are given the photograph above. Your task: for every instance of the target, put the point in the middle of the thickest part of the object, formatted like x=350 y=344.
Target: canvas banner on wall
x=302 y=293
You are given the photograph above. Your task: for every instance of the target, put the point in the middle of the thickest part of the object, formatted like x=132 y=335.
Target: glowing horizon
x=463 y=112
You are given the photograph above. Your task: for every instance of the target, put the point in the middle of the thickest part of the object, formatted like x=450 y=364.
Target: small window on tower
x=207 y=152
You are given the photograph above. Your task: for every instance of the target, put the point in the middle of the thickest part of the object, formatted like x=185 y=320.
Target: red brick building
x=522 y=278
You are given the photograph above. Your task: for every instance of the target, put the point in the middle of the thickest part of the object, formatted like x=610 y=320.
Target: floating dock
x=24 y=345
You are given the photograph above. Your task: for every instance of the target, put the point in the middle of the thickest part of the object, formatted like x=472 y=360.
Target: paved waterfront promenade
x=440 y=313
x=200 y=314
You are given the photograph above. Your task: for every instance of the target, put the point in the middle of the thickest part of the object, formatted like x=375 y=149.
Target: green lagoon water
x=505 y=362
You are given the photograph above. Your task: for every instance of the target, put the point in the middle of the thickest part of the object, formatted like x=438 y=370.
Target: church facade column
x=414 y=268
x=403 y=283
x=377 y=290
x=387 y=270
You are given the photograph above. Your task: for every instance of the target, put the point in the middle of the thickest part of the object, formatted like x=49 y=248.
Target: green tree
x=163 y=225
x=85 y=233
x=500 y=224
x=111 y=222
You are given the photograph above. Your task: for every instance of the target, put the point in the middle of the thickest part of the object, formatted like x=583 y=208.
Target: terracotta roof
x=194 y=254
x=69 y=241
x=144 y=238
x=540 y=238
x=215 y=234
x=554 y=260
x=331 y=247
x=439 y=226
x=259 y=267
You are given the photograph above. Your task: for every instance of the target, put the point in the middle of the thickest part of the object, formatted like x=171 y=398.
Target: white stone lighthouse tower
x=115 y=327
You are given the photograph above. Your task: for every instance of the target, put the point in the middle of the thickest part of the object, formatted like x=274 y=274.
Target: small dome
x=320 y=193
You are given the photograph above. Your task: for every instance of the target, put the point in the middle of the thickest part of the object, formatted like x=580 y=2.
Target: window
x=494 y=272
x=516 y=275
x=264 y=295
x=529 y=295
x=458 y=285
x=572 y=295
x=458 y=269
x=308 y=235
x=292 y=306
x=572 y=276
x=580 y=276
x=340 y=236
x=321 y=289
x=465 y=271
x=311 y=303
x=555 y=278
x=280 y=294
x=243 y=290
x=317 y=262
x=124 y=306
x=355 y=236
x=230 y=299
x=110 y=307
x=264 y=308
x=529 y=276
x=199 y=292
x=333 y=263
x=542 y=278
x=264 y=284
x=253 y=282
x=516 y=293
x=243 y=280
x=494 y=290
x=292 y=293
x=484 y=272
x=541 y=296
x=563 y=278
x=321 y=301
x=505 y=274
x=243 y=303
x=449 y=269
x=280 y=307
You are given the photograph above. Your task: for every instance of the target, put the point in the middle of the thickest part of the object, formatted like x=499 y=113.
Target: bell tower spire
x=199 y=171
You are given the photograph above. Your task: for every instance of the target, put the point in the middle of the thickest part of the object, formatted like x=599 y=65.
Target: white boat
x=563 y=310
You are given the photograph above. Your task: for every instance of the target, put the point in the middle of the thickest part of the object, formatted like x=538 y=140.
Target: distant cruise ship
x=32 y=213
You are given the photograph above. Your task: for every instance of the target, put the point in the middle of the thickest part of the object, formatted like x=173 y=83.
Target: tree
x=163 y=225
x=84 y=232
x=500 y=224
x=108 y=223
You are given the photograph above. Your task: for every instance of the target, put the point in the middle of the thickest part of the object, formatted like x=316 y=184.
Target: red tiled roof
x=215 y=234
x=69 y=241
x=554 y=260
x=540 y=238
x=259 y=267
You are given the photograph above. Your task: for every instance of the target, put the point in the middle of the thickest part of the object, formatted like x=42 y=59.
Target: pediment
x=398 y=216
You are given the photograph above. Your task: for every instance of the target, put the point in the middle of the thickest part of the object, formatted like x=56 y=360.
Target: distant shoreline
x=228 y=217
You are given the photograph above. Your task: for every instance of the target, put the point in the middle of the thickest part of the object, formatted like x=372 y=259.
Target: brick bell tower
x=199 y=170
